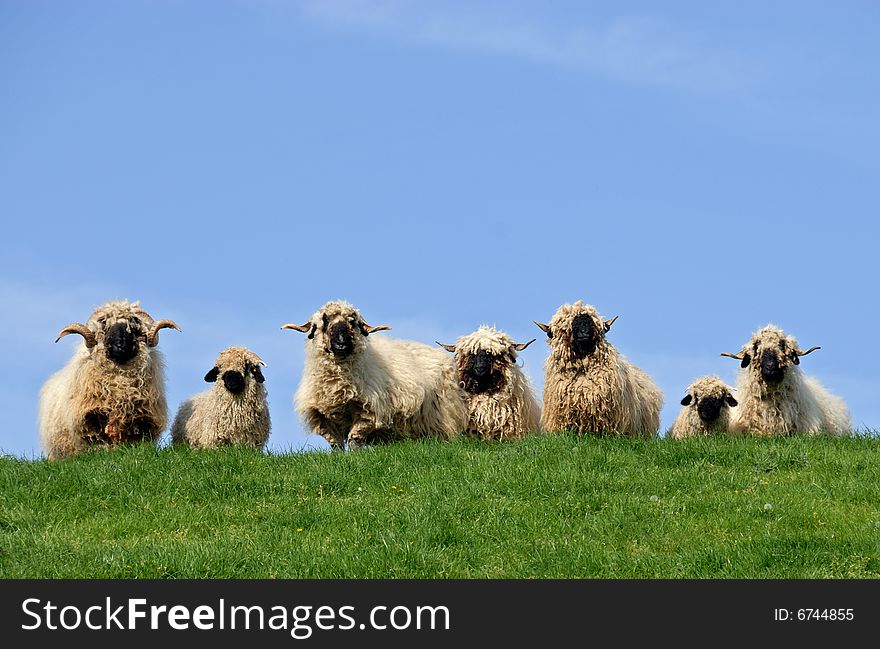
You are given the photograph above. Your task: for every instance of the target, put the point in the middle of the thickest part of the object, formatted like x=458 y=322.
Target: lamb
x=358 y=389
x=233 y=411
x=501 y=402
x=776 y=397
x=706 y=411
x=113 y=388
x=589 y=387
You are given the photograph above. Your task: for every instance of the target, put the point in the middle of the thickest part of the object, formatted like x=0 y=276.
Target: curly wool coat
x=598 y=393
x=509 y=410
x=96 y=401
x=383 y=390
x=796 y=404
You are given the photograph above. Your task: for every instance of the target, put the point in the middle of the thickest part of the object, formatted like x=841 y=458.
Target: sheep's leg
x=361 y=430
x=141 y=430
x=321 y=425
x=95 y=424
x=114 y=432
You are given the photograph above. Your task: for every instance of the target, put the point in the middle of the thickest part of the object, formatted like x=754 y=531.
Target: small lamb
x=233 y=411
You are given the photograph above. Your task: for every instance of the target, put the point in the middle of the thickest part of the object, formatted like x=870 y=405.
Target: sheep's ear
x=211 y=376
x=608 y=323
x=449 y=348
x=746 y=359
x=521 y=346
x=687 y=400
x=258 y=374
x=730 y=400
x=544 y=328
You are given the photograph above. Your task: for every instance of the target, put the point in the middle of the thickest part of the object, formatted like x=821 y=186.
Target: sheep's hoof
x=355 y=444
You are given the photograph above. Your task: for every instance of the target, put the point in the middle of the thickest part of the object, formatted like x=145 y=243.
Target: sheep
x=707 y=409
x=589 y=387
x=233 y=411
x=113 y=388
x=358 y=389
x=776 y=397
x=501 y=402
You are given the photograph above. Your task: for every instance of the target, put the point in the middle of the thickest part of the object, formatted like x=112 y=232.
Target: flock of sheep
x=359 y=389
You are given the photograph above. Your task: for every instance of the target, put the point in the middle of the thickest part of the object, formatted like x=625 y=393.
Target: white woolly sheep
x=233 y=411
x=775 y=397
x=112 y=390
x=358 y=389
x=589 y=387
x=501 y=402
x=706 y=409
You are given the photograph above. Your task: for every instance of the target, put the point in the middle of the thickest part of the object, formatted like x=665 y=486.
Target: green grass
x=544 y=507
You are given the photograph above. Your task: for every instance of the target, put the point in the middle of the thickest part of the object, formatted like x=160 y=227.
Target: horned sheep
x=234 y=411
x=358 y=389
x=501 y=402
x=776 y=397
x=706 y=409
x=112 y=390
x=589 y=387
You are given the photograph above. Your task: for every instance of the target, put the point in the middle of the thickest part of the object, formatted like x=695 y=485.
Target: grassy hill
x=544 y=507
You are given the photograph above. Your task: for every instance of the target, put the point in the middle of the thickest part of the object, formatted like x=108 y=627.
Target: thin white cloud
x=632 y=49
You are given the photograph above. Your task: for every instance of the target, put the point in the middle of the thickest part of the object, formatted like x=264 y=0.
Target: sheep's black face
x=341 y=340
x=233 y=380
x=120 y=343
x=709 y=408
x=772 y=371
x=584 y=336
x=480 y=374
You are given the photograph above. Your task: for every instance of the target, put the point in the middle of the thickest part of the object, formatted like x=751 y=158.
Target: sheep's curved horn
x=608 y=323
x=153 y=336
x=370 y=330
x=738 y=357
x=809 y=351
x=259 y=360
x=82 y=330
x=449 y=348
x=544 y=328
x=301 y=328
x=140 y=311
x=521 y=346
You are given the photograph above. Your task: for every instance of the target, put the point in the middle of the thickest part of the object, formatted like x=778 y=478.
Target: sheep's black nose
x=120 y=343
x=771 y=371
x=341 y=343
x=583 y=334
x=709 y=408
x=234 y=381
x=482 y=365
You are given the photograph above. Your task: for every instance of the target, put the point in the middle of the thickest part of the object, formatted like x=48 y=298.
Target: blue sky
x=700 y=170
